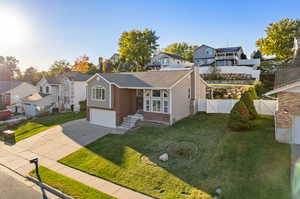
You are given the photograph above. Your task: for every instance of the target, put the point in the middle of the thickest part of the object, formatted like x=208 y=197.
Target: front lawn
x=203 y=155
x=43 y=123
x=69 y=186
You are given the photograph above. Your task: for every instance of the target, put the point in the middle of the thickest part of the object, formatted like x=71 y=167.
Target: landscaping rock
x=164 y=157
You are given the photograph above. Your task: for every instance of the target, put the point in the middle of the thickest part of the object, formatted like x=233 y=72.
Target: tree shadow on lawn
x=218 y=157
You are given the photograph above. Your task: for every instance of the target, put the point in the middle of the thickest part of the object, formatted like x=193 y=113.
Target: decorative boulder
x=164 y=157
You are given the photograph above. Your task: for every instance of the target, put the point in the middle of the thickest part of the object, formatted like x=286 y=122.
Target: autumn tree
x=181 y=49
x=279 y=39
x=81 y=64
x=136 y=48
x=59 y=67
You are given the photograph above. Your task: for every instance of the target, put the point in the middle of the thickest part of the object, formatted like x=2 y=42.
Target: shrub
x=82 y=105
x=248 y=101
x=253 y=93
x=239 y=117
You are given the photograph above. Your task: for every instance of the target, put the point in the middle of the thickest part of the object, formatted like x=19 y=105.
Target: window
x=147 y=93
x=156 y=106
x=47 y=89
x=164 y=61
x=98 y=93
x=166 y=106
x=41 y=89
x=155 y=93
x=147 y=105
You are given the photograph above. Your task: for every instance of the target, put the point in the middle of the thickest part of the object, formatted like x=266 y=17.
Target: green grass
x=40 y=124
x=245 y=165
x=69 y=186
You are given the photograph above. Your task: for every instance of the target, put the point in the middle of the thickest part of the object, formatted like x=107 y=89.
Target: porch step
x=130 y=121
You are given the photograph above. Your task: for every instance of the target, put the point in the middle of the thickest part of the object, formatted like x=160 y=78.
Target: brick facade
x=159 y=117
x=124 y=102
x=288 y=105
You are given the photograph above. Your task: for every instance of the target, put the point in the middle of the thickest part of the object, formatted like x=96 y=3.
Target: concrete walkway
x=56 y=143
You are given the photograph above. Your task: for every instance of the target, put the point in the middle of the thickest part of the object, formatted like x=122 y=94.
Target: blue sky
x=67 y=29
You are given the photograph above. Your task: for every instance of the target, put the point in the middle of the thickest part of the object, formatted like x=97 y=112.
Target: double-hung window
x=98 y=93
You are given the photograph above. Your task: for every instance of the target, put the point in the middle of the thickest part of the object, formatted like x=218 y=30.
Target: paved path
x=54 y=144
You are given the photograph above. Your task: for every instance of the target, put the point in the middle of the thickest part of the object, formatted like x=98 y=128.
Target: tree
x=257 y=55
x=8 y=67
x=107 y=66
x=239 y=117
x=279 y=39
x=31 y=75
x=181 y=49
x=247 y=99
x=81 y=64
x=136 y=48
x=93 y=69
x=243 y=56
x=59 y=67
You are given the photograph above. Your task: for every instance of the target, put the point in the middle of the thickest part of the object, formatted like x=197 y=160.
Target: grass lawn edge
x=68 y=185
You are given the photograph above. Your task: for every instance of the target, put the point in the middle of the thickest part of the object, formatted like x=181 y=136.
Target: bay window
x=156 y=101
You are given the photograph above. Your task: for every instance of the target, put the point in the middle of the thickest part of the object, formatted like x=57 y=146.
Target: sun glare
x=13 y=29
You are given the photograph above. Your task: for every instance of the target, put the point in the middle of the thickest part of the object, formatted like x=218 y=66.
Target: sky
x=38 y=32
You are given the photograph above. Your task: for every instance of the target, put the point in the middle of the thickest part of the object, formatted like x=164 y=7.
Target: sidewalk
x=17 y=157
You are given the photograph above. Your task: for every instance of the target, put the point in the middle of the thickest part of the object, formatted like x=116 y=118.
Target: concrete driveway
x=59 y=141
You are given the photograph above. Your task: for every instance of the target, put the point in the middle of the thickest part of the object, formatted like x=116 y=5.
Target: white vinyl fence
x=264 y=107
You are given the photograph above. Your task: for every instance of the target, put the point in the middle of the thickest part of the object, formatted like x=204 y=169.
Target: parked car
x=5 y=115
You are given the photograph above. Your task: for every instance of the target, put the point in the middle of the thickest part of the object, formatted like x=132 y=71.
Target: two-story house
x=63 y=92
x=163 y=60
x=229 y=60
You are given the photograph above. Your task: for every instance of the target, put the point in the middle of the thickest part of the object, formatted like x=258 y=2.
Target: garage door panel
x=103 y=117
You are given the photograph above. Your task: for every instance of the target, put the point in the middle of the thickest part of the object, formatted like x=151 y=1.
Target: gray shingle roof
x=228 y=50
x=173 y=56
x=78 y=76
x=286 y=75
x=8 y=85
x=150 y=79
x=54 y=80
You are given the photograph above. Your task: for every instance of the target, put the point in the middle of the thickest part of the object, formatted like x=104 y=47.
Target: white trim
x=283 y=88
x=110 y=93
x=91 y=78
x=95 y=87
x=170 y=105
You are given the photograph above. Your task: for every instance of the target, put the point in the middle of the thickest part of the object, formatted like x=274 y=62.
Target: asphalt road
x=10 y=188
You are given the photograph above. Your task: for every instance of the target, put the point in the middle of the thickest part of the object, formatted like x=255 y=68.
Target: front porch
x=149 y=105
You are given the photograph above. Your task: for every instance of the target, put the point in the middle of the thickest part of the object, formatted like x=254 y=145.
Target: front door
x=139 y=101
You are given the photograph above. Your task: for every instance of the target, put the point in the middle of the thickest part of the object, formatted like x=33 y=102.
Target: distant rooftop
x=228 y=50
x=8 y=85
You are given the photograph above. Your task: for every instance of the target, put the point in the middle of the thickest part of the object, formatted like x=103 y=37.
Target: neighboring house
x=163 y=60
x=114 y=58
x=63 y=92
x=287 y=88
x=158 y=96
x=227 y=60
x=11 y=93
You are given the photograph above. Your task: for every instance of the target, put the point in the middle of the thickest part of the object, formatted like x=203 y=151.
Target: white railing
x=263 y=107
x=254 y=62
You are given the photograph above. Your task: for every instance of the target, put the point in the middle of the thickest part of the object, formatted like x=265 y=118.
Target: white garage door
x=103 y=117
x=296 y=130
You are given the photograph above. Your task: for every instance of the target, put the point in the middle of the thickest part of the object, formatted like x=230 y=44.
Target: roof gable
x=150 y=79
